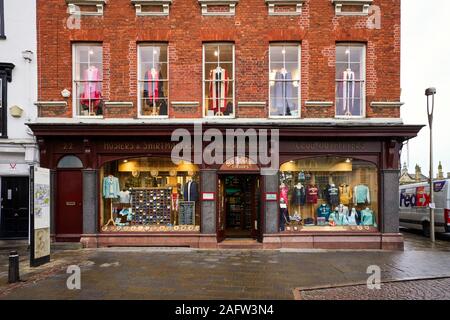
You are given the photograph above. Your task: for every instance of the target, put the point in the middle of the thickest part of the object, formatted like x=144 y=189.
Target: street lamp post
x=431 y=92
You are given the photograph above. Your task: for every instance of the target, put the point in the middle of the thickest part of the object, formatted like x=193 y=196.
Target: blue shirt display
x=111 y=187
x=368 y=218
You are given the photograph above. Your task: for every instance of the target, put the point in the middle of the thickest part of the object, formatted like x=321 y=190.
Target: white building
x=18 y=83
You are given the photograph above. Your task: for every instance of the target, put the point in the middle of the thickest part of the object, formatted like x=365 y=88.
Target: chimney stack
x=418 y=172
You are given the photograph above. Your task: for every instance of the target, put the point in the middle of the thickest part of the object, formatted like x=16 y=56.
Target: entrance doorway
x=14 y=207
x=239 y=201
x=69 y=217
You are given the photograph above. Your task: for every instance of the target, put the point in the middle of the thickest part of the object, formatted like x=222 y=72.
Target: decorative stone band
x=319 y=104
x=160 y=7
x=342 y=7
x=151 y=228
x=275 y=6
x=118 y=104
x=74 y=7
x=386 y=104
x=40 y=104
x=231 y=4
x=252 y=104
x=185 y=104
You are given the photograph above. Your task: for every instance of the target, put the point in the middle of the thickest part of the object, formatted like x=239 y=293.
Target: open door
x=220 y=210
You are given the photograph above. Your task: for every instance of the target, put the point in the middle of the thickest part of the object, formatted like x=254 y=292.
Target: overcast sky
x=426 y=63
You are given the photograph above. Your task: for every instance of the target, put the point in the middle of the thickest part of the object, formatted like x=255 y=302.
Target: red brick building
x=117 y=77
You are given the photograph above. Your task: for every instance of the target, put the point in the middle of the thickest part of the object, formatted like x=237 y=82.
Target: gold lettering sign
x=323 y=146
x=138 y=146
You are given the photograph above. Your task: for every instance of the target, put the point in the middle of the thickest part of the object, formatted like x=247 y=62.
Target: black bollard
x=13 y=274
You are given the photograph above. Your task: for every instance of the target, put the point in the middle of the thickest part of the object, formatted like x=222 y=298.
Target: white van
x=414 y=206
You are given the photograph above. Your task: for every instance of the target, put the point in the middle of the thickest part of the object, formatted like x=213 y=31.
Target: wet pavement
x=158 y=273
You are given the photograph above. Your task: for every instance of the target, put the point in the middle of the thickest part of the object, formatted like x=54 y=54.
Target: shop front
x=117 y=185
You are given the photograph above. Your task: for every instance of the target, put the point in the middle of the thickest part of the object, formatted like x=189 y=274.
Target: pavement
x=420 y=272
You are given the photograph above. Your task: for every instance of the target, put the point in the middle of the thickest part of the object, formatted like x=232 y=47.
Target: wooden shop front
x=116 y=185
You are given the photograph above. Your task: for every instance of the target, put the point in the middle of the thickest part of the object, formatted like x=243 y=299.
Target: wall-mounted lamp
x=27 y=55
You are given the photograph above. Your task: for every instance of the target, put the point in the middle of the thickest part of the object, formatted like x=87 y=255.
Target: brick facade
x=318 y=29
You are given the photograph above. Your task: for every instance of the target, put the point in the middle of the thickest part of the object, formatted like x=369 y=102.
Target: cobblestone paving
x=438 y=289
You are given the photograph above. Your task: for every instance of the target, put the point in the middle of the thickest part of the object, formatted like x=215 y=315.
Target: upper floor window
x=218 y=79
x=153 y=78
x=88 y=79
x=2 y=20
x=350 y=80
x=284 y=80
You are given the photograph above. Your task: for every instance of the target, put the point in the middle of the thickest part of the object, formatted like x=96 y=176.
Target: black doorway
x=14 y=207
x=241 y=205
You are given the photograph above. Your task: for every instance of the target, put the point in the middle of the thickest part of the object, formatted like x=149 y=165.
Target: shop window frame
x=204 y=81
x=299 y=110
x=139 y=80
x=75 y=111
x=363 y=68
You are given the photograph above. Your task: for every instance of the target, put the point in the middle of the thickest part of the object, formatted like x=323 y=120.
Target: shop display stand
x=111 y=218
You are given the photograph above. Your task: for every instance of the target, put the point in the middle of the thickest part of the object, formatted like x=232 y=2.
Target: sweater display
x=361 y=194
x=324 y=211
x=368 y=217
x=331 y=194
x=345 y=194
x=351 y=218
x=312 y=194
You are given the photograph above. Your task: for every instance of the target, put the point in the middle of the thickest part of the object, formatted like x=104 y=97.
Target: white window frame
x=364 y=81
x=298 y=45
x=149 y=44
x=204 y=81
x=74 y=86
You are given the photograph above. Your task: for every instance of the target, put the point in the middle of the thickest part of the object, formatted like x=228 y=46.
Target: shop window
x=218 y=79
x=149 y=195
x=153 y=77
x=350 y=80
x=88 y=79
x=70 y=162
x=284 y=80
x=328 y=194
x=2 y=20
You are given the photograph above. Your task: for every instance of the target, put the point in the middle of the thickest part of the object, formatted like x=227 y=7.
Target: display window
x=328 y=194
x=284 y=80
x=218 y=79
x=149 y=194
x=88 y=79
x=153 y=80
x=350 y=80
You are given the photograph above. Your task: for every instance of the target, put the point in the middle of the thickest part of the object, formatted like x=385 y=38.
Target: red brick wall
x=251 y=29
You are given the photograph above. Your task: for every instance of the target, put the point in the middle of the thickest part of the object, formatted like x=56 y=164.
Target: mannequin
x=324 y=211
x=284 y=190
x=190 y=190
x=345 y=194
x=368 y=217
x=299 y=195
x=110 y=191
